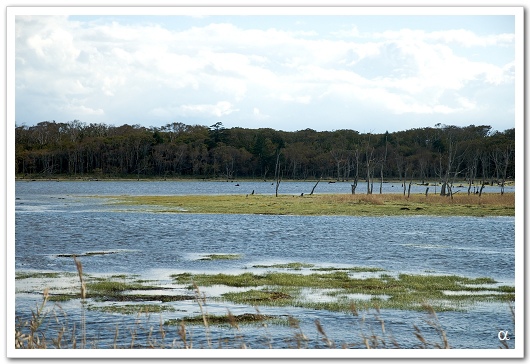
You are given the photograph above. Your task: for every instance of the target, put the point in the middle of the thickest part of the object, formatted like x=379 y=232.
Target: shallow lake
x=61 y=218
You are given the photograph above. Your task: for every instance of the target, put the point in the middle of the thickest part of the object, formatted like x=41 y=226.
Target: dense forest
x=443 y=153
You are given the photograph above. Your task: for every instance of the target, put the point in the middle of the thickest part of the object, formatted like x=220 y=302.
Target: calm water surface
x=59 y=218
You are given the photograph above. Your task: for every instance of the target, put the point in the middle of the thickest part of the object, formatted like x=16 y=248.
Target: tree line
x=443 y=153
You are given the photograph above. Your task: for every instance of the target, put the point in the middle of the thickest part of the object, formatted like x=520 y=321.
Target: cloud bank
x=244 y=74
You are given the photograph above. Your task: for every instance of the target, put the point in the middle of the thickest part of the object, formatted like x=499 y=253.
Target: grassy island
x=328 y=204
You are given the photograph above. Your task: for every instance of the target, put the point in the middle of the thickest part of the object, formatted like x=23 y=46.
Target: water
x=54 y=218
x=230 y=187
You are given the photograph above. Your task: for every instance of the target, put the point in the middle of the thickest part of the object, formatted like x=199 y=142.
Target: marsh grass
x=368 y=322
x=329 y=204
x=349 y=269
x=228 y=319
x=373 y=334
x=27 y=275
x=406 y=292
x=47 y=328
x=131 y=309
x=102 y=286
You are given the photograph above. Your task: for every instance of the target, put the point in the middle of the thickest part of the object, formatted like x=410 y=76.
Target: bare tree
x=383 y=164
x=338 y=157
x=369 y=166
x=277 y=174
x=356 y=157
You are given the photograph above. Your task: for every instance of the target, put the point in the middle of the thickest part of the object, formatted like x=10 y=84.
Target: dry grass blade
x=321 y=331
x=353 y=309
x=382 y=325
x=183 y=336
x=231 y=319
x=79 y=267
x=366 y=343
x=417 y=333
x=201 y=300
x=293 y=322
x=436 y=324
x=115 y=346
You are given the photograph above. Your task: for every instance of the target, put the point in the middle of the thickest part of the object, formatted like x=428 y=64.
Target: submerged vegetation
x=87 y=254
x=37 y=333
x=132 y=309
x=221 y=257
x=340 y=288
x=337 y=290
x=228 y=319
x=328 y=204
x=328 y=288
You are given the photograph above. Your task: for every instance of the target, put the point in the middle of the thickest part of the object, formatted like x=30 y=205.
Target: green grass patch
x=407 y=291
x=257 y=297
x=62 y=297
x=27 y=275
x=105 y=286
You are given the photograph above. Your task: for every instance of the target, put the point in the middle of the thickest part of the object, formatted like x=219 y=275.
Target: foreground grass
x=329 y=204
x=36 y=333
x=405 y=291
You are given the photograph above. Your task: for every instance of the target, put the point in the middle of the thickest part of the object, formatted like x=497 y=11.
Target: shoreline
x=461 y=183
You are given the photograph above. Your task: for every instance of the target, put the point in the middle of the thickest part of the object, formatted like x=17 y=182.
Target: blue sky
x=290 y=72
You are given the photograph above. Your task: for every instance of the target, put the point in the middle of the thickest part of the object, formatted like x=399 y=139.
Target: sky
x=370 y=73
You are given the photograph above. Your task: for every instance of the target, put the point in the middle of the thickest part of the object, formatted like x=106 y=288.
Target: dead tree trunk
x=354 y=186
x=381 y=184
x=315 y=186
x=356 y=177
x=481 y=188
x=383 y=163
x=277 y=172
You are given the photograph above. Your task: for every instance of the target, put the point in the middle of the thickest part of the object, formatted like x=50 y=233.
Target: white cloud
x=353 y=32
x=219 y=109
x=463 y=37
x=467 y=38
x=106 y=70
x=81 y=110
x=258 y=115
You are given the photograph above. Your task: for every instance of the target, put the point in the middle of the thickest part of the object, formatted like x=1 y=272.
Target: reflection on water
x=55 y=220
